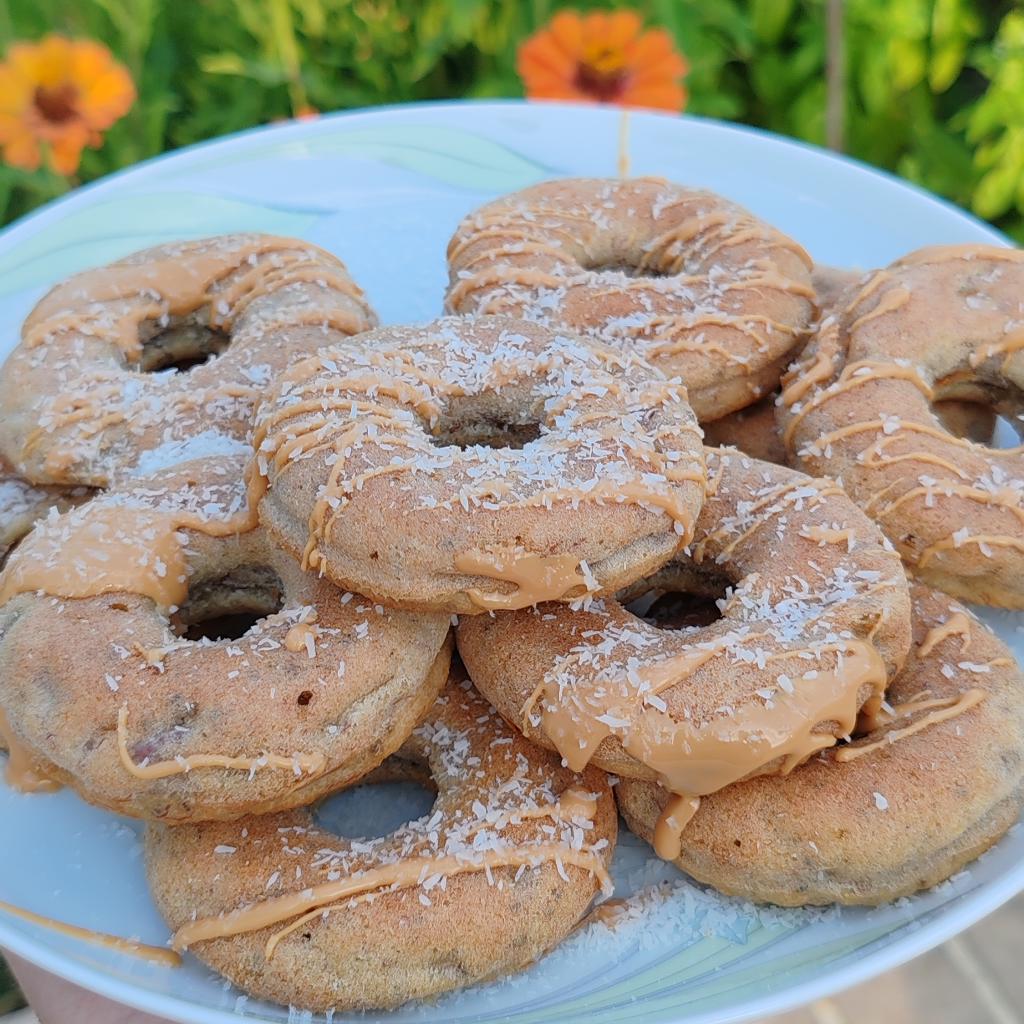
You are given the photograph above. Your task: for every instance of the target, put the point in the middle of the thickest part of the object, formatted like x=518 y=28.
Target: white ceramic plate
x=384 y=189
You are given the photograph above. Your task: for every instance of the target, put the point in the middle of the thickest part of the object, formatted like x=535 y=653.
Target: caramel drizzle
x=536 y=577
x=947 y=708
x=672 y=822
x=694 y=760
x=154 y=954
x=115 y=549
x=966 y=251
x=20 y=773
x=317 y=901
x=309 y=764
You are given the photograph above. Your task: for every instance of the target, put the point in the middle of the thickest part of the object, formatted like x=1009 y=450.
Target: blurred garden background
x=930 y=89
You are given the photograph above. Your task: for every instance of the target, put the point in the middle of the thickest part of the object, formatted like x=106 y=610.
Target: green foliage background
x=934 y=88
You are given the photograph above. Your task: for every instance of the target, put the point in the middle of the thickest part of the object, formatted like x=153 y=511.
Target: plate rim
x=965 y=911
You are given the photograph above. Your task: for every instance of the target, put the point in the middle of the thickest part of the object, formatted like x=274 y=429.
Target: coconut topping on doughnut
x=809 y=631
x=92 y=387
x=370 y=425
x=96 y=606
x=689 y=280
x=861 y=406
x=508 y=825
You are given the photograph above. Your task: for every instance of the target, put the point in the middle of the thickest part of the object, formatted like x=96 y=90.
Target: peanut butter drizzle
x=1011 y=342
x=826 y=535
x=20 y=773
x=695 y=760
x=178 y=287
x=317 y=901
x=298 y=637
x=958 y=624
x=818 y=371
x=154 y=954
x=310 y=764
x=675 y=816
x=118 y=549
x=947 y=708
x=966 y=251
x=987 y=539
x=853 y=376
x=536 y=577
x=891 y=301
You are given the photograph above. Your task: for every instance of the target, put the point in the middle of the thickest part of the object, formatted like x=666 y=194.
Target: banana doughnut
x=692 y=282
x=899 y=809
x=753 y=430
x=942 y=323
x=102 y=689
x=22 y=504
x=816 y=617
x=104 y=381
x=500 y=870
x=471 y=465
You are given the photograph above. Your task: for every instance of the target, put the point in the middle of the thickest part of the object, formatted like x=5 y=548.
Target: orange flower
x=57 y=96
x=603 y=58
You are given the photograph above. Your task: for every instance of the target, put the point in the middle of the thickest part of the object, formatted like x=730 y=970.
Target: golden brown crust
x=943 y=323
x=691 y=281
x=421 y=939
x=376 y=467
x=81 y=402
x=805 y=567
x=900 y=818
x=330 y=685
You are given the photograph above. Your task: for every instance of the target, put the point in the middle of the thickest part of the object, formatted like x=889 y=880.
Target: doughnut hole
x=227 y=607
x=179 y=345
x=393 y=795
x=677 y=597
x=489 y=420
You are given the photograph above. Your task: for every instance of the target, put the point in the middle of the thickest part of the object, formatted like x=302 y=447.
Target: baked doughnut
x=753 y=430
x=692 y=282
x=103 y=690
x=814 y=621
x=500 y=870
x=471 y=465
x=942 y=323
x=22 y=504
x=900 y=809
x=91 y=391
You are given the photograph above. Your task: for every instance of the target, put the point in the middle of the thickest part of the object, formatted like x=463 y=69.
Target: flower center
x=57 y=104
x=602 y=73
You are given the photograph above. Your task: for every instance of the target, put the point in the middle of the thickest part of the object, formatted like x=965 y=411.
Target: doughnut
x=815 y=619
x=501 y=869
x=102 y=688
x=22 y=504
x=471 y=465
x=901 y=808
x=942 y=323
x=692 y=282
x=752 y=430
x=109 y=379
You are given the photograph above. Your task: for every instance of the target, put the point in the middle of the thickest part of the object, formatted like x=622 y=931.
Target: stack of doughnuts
x=248 y=529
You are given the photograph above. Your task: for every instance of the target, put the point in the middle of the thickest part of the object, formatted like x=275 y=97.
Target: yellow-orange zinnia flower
x=603 y=58
x=56 y=97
